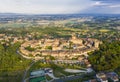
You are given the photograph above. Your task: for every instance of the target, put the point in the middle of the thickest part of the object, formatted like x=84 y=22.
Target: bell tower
x=74 y=36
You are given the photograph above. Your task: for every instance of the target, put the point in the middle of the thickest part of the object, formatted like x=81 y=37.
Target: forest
x=107 y=58
x=12 y=65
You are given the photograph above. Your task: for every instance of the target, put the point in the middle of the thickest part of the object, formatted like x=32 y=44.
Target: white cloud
x=44 y=6
x=99 y=3
x=114 y=6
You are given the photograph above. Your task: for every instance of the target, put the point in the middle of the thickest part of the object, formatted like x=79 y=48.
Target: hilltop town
x=59 y=48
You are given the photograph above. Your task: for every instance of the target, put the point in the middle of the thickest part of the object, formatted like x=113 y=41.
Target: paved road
x=52 y=76
x=68 y=78
x=18 y=52
x=25 y=73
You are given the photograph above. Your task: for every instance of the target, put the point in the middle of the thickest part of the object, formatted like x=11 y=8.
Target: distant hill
x=10 y=14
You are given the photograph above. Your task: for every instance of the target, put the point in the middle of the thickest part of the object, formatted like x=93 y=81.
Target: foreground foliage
x=107 y=58
x=12 y=65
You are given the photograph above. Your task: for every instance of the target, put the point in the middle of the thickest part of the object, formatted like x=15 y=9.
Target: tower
x=74 y=36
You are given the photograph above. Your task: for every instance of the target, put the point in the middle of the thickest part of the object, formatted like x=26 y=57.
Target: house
x=113 y=76
x=102 y=77
x=37 y=73
x=93 y=80
x=37 y=76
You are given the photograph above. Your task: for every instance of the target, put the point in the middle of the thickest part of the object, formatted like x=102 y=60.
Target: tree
x=49 y=47
x=107 y=57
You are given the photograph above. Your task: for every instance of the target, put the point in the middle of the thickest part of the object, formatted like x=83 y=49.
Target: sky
x=60 y=6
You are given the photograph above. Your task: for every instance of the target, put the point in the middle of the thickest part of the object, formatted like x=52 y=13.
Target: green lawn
x=38 y=79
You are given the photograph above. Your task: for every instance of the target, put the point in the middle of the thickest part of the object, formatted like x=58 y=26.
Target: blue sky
x=60 y=6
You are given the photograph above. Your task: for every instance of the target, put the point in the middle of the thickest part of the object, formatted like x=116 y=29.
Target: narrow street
x=68 y=78
x=26 y=71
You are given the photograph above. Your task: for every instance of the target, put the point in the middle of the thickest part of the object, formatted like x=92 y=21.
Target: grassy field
x=15 y=25
x=104 y=30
